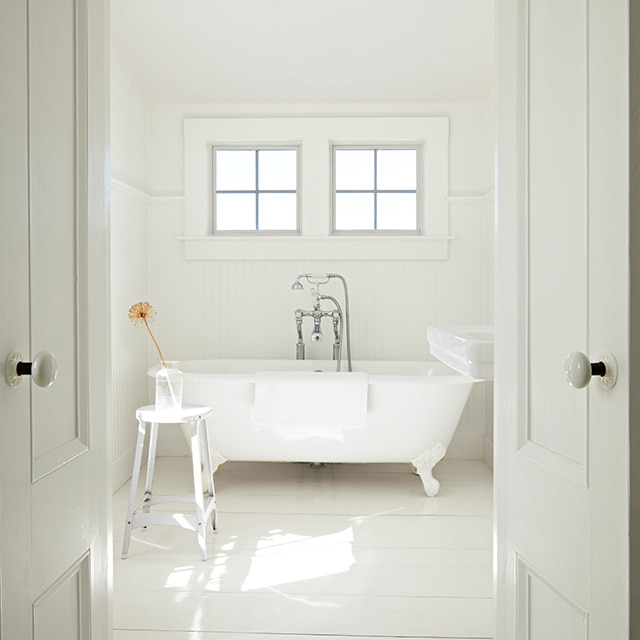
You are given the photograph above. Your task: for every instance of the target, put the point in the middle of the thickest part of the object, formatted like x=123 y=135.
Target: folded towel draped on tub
x=311 y=399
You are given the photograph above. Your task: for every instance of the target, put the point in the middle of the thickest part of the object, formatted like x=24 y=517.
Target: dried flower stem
x=144 y=312
x=146 y=324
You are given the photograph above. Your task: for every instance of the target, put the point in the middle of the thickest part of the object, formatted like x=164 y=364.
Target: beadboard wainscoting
x=129 y=284
x=244 y=308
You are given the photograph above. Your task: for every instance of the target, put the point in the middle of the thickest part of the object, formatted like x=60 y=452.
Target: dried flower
x=143 y=312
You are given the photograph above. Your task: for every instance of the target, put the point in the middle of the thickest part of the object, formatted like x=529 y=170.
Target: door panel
x=15 y=470
x=54 y=472
x=547 y=614
x=62 y=517
x=58 y=169
x=61 y=606
x=562 y=454
x=554 y=162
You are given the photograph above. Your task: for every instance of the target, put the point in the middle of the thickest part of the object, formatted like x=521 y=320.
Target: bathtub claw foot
x=424 y=466
x=217 y=460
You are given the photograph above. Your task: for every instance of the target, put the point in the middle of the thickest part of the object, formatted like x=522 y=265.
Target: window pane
x=397 y=211
x=354 y=169
x=235 y=169
x=277 y=212
x=277 y=169
x=397 y=169
x=235 y=212
x=354 y=211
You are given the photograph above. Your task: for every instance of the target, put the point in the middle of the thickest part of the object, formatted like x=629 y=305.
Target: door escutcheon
x=579 y=370
x=43 y=370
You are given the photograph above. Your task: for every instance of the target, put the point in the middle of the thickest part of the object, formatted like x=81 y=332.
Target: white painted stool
x=205 y=506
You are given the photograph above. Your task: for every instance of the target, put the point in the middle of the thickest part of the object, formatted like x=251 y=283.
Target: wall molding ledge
x=129 y=190
x=143 y=196
x=472 y=198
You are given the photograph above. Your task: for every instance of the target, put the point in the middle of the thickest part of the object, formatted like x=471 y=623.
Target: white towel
x=311 y=399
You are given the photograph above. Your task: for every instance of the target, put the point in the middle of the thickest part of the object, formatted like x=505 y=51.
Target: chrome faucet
x=317 y=313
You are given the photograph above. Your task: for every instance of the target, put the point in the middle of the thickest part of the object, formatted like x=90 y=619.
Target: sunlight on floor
x=280 y=558
x=284 y=558
x=342 y=552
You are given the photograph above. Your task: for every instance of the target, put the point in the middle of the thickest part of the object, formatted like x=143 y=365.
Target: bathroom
x=243 y=308
x=238 y=303
x=367 y=553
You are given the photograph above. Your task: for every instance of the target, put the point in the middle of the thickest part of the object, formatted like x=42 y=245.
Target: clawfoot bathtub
x=388 y=411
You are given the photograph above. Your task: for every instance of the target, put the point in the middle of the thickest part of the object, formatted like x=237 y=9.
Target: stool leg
x=197 y=487
x=137 y=460
x=151 y=466
x=209 y=471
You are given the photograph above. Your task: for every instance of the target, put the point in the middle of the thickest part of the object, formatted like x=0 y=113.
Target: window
x=411 y=218
x=375 y=189
x=255 y=189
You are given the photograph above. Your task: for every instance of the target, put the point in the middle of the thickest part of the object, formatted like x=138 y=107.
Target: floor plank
x=339 y=552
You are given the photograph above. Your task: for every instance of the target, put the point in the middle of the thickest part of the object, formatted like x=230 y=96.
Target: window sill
x=426 y=247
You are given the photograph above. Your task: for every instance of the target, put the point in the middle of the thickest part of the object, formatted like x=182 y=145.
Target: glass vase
x=169 y=387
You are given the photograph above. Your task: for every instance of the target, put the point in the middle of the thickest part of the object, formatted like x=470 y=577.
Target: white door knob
x=43 y=370
x=579 y=369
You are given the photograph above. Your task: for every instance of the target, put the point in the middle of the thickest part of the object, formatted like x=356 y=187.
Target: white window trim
x=315 y=136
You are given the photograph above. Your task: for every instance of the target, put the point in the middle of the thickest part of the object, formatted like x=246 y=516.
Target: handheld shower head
x=311 y=278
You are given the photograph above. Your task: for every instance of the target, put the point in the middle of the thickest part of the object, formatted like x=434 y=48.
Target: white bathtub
x=412 y=411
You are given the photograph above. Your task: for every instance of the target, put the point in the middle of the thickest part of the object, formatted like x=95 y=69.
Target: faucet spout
x=316 y=335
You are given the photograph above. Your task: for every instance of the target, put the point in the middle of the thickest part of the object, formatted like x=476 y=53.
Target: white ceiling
x=299 y=51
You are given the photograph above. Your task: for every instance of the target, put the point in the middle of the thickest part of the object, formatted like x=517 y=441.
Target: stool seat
x=205 y=505
x=186 y=413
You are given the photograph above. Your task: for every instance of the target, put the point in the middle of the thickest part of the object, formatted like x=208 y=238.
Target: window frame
x=257 y=147
x=419 y=190
x=315 y=134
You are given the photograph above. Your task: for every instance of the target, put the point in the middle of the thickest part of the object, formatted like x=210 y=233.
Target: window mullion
x=375 y=189
x=257 y=191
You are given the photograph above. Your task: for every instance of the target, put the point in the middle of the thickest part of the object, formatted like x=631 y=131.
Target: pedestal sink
x=467 y=350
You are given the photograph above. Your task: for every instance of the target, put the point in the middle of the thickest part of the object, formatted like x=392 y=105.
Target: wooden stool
x=205 y=506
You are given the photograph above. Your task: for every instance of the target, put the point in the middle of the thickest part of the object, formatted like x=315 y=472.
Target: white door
x=54 y=483
x=562 y=285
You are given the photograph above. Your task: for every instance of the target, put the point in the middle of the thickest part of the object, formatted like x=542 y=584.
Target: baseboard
x=121 y=470
x=466 y=447
x=487 y=452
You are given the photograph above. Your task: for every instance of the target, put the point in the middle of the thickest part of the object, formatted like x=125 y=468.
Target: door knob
x=43 y=370
x=579 y=370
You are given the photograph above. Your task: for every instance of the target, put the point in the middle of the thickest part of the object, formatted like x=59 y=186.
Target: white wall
x=128 y=126
x=129 y=261
x=235 y=309
x=470 y=152
x=490 y=136
x=130 y=347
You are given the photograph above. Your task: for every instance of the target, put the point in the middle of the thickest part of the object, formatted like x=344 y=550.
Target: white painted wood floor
x=344 y=551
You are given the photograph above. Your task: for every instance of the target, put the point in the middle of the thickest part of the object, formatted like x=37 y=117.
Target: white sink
x=468 y=350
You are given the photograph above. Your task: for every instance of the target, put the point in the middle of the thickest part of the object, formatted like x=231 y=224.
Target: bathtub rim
x=436 y=372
